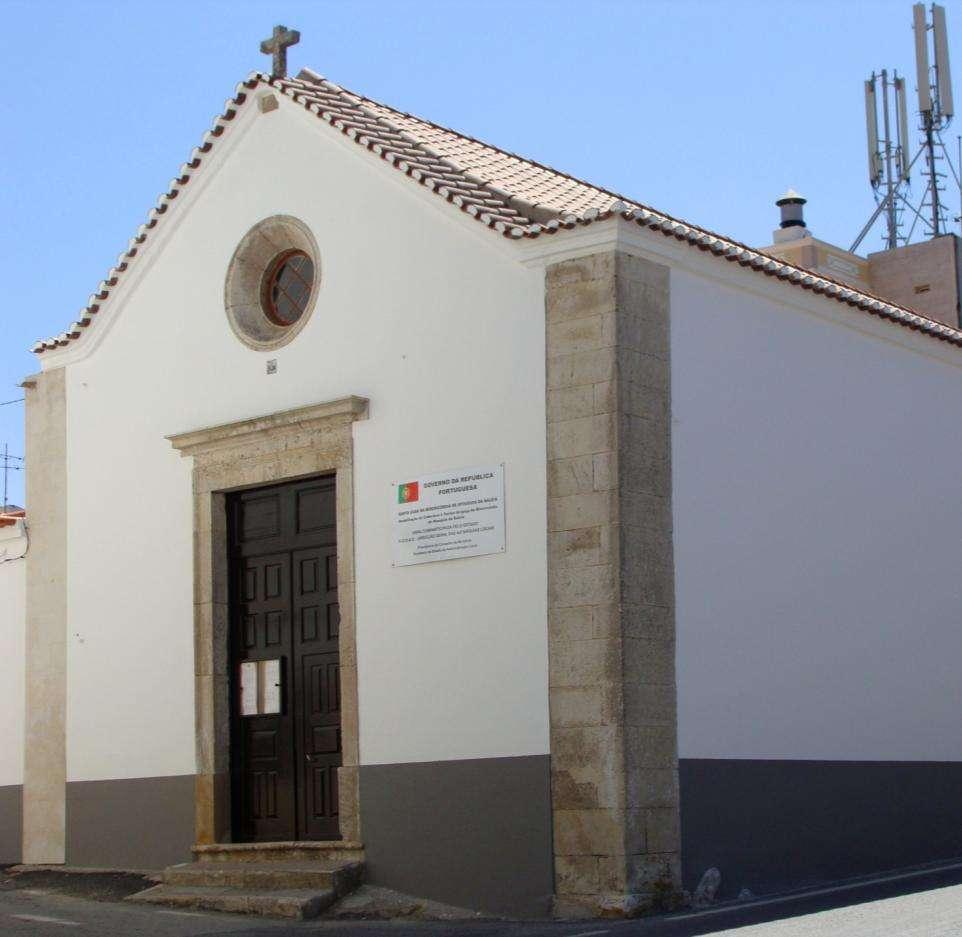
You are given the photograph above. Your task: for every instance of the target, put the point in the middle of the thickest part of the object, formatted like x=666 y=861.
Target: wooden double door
x=284 y=662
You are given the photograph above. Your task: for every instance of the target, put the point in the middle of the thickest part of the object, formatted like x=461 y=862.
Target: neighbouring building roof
x=10 y=514
x=513 y=196
x=13 y=535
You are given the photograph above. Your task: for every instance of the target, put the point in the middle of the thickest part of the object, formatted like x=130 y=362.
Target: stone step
x=334 y=850
x=297 y=903
x=322 y=875
x=289 y=880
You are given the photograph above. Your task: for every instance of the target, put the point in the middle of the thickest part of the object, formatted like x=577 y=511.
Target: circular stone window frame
x=253 y=262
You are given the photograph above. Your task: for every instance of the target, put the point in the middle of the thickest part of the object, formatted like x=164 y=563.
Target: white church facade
x=705 y=612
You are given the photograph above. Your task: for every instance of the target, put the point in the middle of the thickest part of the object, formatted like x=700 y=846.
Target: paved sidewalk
x=936 y=913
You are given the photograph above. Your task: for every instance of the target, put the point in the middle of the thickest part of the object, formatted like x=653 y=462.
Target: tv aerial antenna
x=890 y=159
x=11 y=463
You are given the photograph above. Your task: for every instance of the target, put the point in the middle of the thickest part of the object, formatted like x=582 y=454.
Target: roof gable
x=515 y=197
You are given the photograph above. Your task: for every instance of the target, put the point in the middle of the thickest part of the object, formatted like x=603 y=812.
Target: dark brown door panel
x=284 y=615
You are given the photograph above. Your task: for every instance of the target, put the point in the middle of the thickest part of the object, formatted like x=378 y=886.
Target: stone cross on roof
x=277 y=47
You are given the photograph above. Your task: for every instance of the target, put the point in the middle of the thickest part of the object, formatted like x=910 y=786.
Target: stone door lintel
x=319 y=416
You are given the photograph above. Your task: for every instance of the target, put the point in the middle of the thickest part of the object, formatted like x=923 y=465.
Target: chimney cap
x=791 y=197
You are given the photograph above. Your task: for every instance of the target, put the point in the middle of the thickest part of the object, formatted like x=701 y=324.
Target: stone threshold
x=279 y=851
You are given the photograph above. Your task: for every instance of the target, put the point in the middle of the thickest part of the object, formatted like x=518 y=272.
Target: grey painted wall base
x=771 y=825
x=135 y=823
x=473 y=833
x=11 y=823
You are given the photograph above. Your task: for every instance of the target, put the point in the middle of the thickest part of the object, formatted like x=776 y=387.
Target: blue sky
x=706 y=110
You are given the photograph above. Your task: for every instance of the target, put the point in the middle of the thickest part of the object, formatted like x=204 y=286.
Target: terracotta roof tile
x=516 y=197
x=9 y=516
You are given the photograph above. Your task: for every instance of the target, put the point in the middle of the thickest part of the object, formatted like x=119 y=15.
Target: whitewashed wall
x=818 y=531
x=12 y=611
x=421 y=311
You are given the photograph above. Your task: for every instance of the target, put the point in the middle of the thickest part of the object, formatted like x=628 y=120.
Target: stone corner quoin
x=611 y=622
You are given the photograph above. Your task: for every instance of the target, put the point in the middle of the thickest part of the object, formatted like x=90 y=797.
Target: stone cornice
x=316 y=416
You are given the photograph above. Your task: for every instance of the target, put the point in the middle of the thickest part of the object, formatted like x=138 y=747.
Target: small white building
x=534 y=546
x=13 y=547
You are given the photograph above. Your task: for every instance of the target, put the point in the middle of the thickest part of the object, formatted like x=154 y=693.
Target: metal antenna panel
x=903 y=142
x=943 y=74
x=871 y=131
x=920 y=28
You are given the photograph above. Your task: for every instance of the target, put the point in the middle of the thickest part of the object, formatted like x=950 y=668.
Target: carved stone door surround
x=291 y=444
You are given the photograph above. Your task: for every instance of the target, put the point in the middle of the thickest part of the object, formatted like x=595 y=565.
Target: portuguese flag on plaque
x=407 y=493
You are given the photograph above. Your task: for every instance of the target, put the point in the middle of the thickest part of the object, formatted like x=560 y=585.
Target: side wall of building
x=421 y=312
x=925 y=276
x=12 y=618
x=817 y=525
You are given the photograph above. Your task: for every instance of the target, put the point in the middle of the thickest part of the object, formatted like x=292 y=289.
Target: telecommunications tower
x=891 y=162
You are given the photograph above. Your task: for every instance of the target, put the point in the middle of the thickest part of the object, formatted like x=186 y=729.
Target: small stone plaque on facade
x=448 y=515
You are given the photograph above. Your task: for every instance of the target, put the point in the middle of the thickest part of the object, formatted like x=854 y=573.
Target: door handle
x=309 y=756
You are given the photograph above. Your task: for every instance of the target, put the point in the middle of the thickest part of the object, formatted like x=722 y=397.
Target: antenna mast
x=10 y=464
x=935 y=102
x=888 y=165
x=888 y=154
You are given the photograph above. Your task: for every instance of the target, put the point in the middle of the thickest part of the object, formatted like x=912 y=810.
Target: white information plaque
x=449 y=515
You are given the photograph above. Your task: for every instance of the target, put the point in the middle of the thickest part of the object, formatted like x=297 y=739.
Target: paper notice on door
x=260 y=687
x=270 y=686
x=248 y=688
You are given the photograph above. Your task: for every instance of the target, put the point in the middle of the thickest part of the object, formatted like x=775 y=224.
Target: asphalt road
x=925 y=905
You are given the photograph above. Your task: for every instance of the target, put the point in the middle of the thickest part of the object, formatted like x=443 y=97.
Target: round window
x=287 y=287
x=272 y=282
